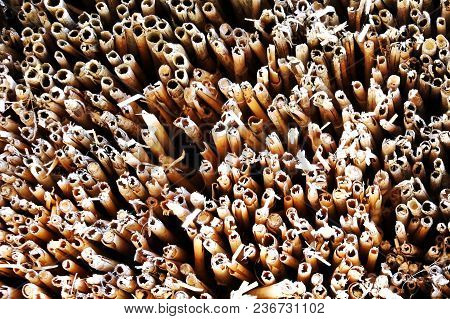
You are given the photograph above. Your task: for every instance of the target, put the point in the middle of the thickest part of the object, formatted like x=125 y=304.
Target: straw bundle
x=193 y=149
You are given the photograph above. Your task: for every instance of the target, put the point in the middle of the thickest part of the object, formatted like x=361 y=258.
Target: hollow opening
x=123 y=70
x=122 y=10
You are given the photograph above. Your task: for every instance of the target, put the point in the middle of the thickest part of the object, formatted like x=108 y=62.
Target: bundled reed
x=193 y=149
